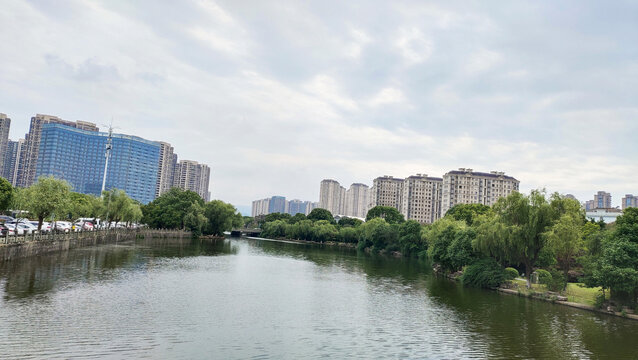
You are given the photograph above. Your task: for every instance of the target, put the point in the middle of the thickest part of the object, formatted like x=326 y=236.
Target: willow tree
x=515 y=230
x=48 y=196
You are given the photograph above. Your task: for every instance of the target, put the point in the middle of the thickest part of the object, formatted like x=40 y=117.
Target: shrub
x=485 y=273
x=544 y=277
x=558 y=282
x=511 y=273
x=599 y=301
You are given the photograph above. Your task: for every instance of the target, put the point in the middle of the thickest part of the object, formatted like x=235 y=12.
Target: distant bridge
x=245 y=232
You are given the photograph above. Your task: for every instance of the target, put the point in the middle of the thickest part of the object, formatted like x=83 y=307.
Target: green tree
x=81 y=205
x=388 y=213
x=168 y=211
x=515 y=232
x=115 y=205
x=440 y=237
x=348 y=234
x=321 y=214
x=274 y=229
x=221 y=217
x=566 y=240
x=467 y=212
x=195 y=220
x=46 y=197
x=617 y=266
x=6 y=194
x=348 y=221
x=297 y=218
x=277 y=216
x=410 y=239
x=324 y=230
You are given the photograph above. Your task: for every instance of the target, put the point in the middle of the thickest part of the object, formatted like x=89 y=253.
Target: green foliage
x=388 y=213
x=450 y=244
x=277 y=216
x=83 y=205
x=297 y=218
x=168 y=211
x=346 y=221
x=511 y=273
x=565 y=237
x=515 y=232
x=484 y=273
x=348 y=235
x=116 y=205
x=195 y=219
x=544 y=277
x=617 y=266
x=467 y=212
x=323 y=231
x=411 y=241
x=321 y=214
x=557 y=282
x=274 y=229
x=220 y=217
x=47 y=197
x=6 y=194
x=600 y=300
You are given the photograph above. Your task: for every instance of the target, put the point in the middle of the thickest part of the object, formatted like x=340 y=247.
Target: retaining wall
x=15 y=247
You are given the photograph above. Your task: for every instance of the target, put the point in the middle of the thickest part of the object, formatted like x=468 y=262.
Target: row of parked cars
x=13 y=226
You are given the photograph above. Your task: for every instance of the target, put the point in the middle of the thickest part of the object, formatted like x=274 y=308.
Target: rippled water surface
x=260 y=299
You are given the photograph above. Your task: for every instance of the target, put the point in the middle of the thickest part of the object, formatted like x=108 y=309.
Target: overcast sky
x=277 y=95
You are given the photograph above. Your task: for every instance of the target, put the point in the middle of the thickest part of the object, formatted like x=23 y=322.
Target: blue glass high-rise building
x=77 y=156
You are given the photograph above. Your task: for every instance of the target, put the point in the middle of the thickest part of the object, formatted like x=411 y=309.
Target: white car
x=63 y=226
x=28 y=227
x=15 y=229
x=46 y=227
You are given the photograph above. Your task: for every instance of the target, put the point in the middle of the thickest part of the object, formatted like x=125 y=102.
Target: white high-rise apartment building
x=191 y=175
x=386 y=191
x=260 y=207
x=357 y=200
x=332 y=196
x=166 y=169
x=5 y=125
x=421 y=198
x=464 y=186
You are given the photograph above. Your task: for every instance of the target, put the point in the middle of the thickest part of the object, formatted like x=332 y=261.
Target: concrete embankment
x=16 y=247
x=568 y=303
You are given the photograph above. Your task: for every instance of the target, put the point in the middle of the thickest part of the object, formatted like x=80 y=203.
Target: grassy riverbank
x=575 y=292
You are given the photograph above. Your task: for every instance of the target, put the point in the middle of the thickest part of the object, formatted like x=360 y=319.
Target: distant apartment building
x=311 y=206
x=386 y=191
x=77 y=155
x=602 y=200
x=629 y=201
x=332 y=196
x=29 y=161
x=165 y=169
x=277 y=204
x=357 y=200
x=12 y=160
x=421 y=198
x=193 y=176
x=465 y=186
x=5 y=125
x=589 y=205
x=296 y=206
x=260 y=207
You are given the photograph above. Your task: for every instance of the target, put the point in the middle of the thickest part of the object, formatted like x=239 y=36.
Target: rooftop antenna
x=107 y=154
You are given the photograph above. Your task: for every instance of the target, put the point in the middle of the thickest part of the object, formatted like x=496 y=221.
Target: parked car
x=46 y=227
x=5 y=230
x=7 y=218
x=16 y=230
x=27 y=227
x=63 y=226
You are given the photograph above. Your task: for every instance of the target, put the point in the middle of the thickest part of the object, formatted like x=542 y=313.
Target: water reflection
x=244 y=298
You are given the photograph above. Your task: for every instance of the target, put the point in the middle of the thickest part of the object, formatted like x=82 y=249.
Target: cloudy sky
x=277 y=95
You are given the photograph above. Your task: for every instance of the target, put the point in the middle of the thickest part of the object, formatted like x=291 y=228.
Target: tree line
x=51 y=199
x=538 y=233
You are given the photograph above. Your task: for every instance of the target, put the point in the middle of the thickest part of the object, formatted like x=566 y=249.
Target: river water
x=259 y=299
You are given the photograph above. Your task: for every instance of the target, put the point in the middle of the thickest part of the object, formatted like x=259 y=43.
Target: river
x=259 y=299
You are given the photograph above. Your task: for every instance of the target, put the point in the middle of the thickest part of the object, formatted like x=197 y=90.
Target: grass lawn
x=575 y=292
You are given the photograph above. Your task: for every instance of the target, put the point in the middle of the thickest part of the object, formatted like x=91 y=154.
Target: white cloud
x=413 y=45
x=387 y=96
x=482 y=60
